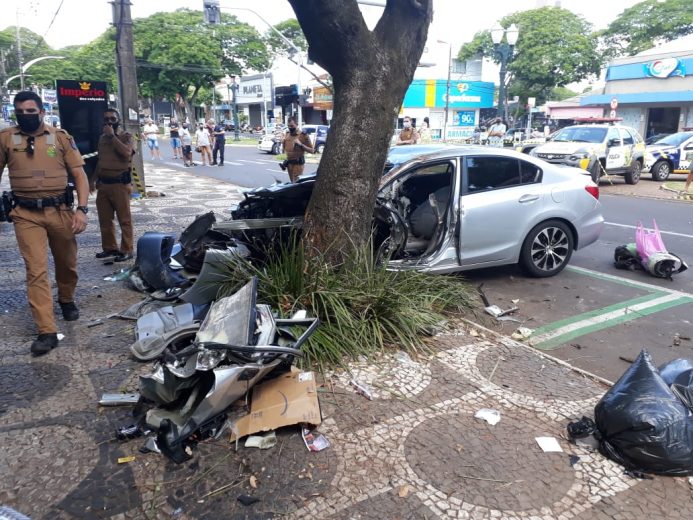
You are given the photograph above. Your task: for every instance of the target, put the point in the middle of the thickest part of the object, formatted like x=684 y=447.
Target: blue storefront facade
x=427 y=98
x=652 y=91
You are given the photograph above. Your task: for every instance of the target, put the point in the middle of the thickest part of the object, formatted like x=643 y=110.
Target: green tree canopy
x=33 y=46
x=555 y=47
x=645 y=24
x=291 y=29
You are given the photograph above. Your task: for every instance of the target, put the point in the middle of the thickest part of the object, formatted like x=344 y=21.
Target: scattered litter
x=247 y=500
x=150 y=446
x=522 y=333
x=549 y=444
x=362 y=389
x=574 y=459
x=515 y=301
x=118 y=276
x=509 y=318
x=125 y=460
x=177 y=512
x=489 y=415
x=133 y=431
x=404 y=491
x=253 y=481
x=497 y=312
x=61 y=336
x=626 y=359
x=676 y=341
x=118 y=399
x=576 y=345
x=264 y=442
x=314 y=441
x=404 y=358
x=473 y=333
x=95 y=323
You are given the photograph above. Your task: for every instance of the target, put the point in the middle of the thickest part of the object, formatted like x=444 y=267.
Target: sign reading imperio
x=81 y=105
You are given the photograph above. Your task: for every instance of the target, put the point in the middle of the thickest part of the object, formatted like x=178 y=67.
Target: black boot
x=70 y=311
x=44 y=344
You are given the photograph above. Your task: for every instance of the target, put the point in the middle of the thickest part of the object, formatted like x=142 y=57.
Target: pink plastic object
x=648 y=241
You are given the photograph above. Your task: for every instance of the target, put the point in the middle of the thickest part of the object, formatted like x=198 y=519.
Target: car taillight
x=593 y=190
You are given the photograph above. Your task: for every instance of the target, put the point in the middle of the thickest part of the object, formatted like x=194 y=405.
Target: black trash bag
x=671 y=370
x=683 y=388
x=643 y=425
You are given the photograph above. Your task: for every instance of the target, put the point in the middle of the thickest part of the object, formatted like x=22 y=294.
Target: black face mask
x=292 y=131
x=28 y=122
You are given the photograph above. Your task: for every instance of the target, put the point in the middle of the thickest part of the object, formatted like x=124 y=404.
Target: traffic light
x=210 y=8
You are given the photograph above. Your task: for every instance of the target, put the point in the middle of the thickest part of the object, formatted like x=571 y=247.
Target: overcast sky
x=80 y=21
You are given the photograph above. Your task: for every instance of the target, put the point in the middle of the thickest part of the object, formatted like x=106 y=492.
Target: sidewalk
x=416 y=451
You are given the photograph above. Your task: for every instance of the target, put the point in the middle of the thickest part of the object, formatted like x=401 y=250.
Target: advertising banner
x=81 y=106
x=322 y=98
x=433 y=93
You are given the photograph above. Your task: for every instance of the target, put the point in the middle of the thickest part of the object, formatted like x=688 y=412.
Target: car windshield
x=675 y=139
x=581 y=134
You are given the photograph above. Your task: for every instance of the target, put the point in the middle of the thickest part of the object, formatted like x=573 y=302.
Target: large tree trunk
x=371 y=72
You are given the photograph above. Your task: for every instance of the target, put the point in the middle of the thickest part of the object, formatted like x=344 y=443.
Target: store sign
x=465 y=118
x=432 y=93
x=665 y=68
x=49 y=95
x=322 y=98
x=254 y=89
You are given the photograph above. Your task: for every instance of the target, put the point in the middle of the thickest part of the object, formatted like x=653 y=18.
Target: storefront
x=427 y=98
x=653 y=91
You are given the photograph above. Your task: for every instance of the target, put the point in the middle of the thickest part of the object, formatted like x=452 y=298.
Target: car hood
x=565 y=147
x=659 y=148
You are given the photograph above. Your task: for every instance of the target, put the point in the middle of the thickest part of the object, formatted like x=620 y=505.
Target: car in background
x=318 y=135
x=600 y=149
x=654 y=138
x=444 y=208
x=271 y=142
x=669 y=154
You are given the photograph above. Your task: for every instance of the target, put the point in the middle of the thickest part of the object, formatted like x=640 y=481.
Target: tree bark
x=371 y=72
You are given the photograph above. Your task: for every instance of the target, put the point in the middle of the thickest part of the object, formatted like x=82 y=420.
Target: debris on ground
x=362 y=389
x=573 y=459
x=263 y=442
x=549 y=444
x=649 y=253
x=125 y=460
x=522 y=333
x=314 y=441
x=247 y=500
x=403 y=491
x=119 y=399
x=489 y=415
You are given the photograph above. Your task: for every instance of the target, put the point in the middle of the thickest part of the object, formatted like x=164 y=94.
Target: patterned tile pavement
x=415 y=451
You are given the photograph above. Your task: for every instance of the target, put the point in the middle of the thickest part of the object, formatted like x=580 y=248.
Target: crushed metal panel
x=231 y=320
x=214 y=271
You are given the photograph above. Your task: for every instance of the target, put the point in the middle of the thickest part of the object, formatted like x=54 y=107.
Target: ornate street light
x=504 y=51
x=232 y=88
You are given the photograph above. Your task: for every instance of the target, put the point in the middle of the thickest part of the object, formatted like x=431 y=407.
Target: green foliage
x=645 y=24
x=292 y=31
x=561 y=93
x=555 y=47
x=363 y=308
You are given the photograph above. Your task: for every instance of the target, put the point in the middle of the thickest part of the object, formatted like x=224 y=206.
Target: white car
x=270 y=143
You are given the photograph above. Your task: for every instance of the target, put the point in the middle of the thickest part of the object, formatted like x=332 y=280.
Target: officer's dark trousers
x=294 y=170
x=35 y=229
x=218 y=148
x=114 y=199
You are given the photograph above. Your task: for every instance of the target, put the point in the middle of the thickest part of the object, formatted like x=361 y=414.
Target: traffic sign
x=614 y=104
x=612 y=114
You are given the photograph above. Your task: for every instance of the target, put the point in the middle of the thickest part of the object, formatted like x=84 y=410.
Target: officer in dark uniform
x=296 y=144
x=113 y=180
x=38 y=157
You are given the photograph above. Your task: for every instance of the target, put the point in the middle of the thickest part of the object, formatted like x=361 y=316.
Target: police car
x=673 y=153
x=600 y=149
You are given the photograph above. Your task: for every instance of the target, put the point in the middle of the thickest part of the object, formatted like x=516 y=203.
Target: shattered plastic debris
x=61 y=336
x=522 y=333
x=125 y=460
x=489 y=415
x=549 y=444
x=574 y=459
x=150 y=446
x=362 y=389
x=264 y=442
x=118 y=399
x=119 y=276
x=497 y=312
x=314 y=441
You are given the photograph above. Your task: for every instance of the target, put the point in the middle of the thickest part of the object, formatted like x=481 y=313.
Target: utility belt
x=300 y=160
x=9 y=201
x=123 y=178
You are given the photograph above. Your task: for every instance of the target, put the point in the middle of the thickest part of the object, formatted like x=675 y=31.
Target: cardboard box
x=291 y=398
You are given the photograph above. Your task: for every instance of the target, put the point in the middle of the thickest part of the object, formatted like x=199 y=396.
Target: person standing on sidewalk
x=408 y=134
x=113 y=179
x=295 y=144
x=151 y=134
x=186 y=140
x=219 y=143
x=202 y=142
x=40 y=160
x=496 y=133
x=175 y=139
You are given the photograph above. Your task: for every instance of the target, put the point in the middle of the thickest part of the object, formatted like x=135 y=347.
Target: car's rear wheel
x=633 y=175
x=275 y=149
x=661 y=171
x=596 y=172
x=547 y=249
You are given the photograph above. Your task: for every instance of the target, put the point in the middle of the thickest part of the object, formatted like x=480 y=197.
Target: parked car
x=270 y=143
x=598 y=148
x=318 y=135
x=444 y=209
x=654 y=138
x=671 y=153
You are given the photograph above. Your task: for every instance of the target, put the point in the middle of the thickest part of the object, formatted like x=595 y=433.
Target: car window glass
x=627 y=138
x=613 y=134
x=636 y=135
x=581 y=134
x=530 y=173
x=489 y=173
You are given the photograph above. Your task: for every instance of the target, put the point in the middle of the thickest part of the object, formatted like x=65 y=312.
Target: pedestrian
x=496 y=133
x=295 y=144
x=174 y=129
x=113 y=180
x=408 y=134
x=425 y=132
x=186 y=141
x=219 y=143
x=40 y=160
x=202 y=143
x=151 y=134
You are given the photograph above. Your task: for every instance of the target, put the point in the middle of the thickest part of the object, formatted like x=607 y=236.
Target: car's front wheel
x=661 y=171
x=275 y=149
x=633 y=175
x=596 y=171
x=547 y=249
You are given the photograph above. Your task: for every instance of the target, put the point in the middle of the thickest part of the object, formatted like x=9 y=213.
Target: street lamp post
x=504 y=51
x=447 y=91
x=232 y=90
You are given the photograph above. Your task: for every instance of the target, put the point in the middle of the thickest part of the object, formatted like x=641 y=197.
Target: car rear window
x=489 y=173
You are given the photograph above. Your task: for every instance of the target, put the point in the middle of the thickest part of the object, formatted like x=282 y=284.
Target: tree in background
x=645 y=25
x=371 y=71
x=33 y=46
x=555 y=48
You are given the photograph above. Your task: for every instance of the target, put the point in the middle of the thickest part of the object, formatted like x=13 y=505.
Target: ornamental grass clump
x=363 y=307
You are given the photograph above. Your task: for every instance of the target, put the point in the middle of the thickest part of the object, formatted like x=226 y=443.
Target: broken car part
x=118 y=399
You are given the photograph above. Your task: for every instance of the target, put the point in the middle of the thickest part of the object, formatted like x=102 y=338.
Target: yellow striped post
x=137 y=182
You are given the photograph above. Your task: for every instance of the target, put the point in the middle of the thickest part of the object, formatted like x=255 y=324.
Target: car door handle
x=528 y=198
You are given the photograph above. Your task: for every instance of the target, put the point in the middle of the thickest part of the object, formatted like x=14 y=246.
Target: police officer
x=38 y=157
x=295 y=144
x=408 y=134
x=113 y=181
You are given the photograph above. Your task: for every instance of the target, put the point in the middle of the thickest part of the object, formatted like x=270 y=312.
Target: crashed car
x=672 y=153
x=444 y=209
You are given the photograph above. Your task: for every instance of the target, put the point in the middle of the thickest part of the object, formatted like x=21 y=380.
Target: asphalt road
x=244 y=165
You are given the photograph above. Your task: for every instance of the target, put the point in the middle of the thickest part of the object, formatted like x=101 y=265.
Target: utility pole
x=20 y=58
x=127 y=79
x=3 y=76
